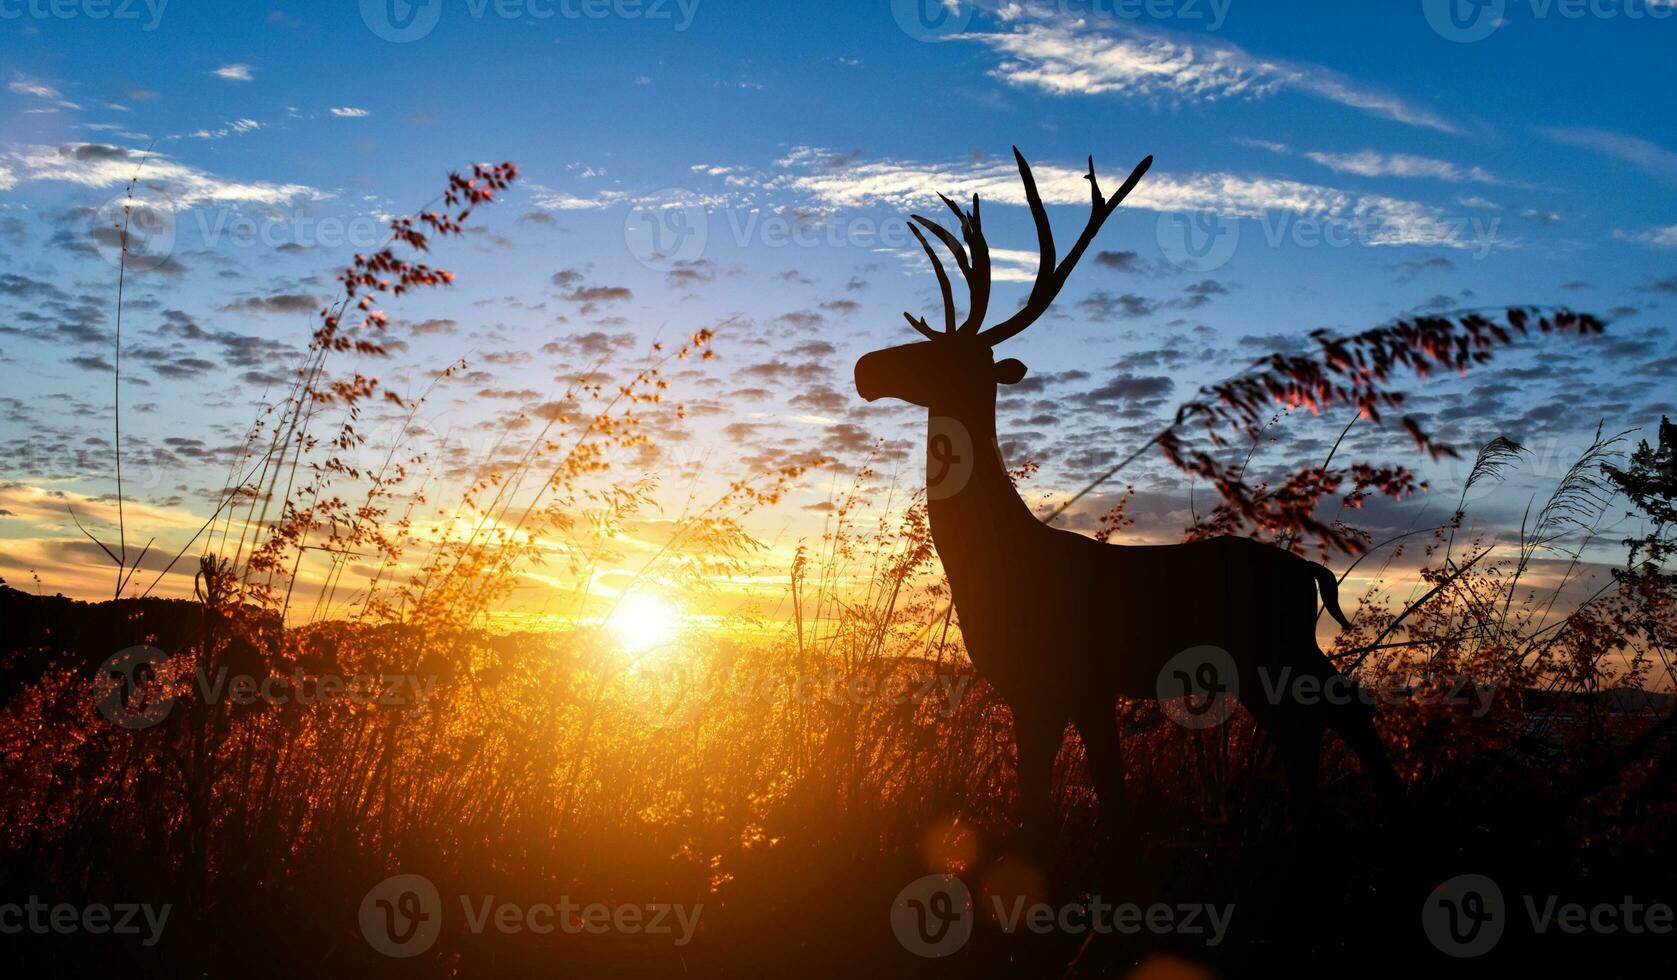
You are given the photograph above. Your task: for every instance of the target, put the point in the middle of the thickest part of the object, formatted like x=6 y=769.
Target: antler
x=976 y=271
x=1050 y=277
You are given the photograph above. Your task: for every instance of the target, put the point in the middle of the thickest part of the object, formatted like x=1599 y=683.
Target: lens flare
x=643 y=622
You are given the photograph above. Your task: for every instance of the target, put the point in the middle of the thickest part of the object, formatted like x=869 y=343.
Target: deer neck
x=970 y=498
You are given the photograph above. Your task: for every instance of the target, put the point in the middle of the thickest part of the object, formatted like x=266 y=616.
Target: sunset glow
x=940 y=489
x=643 y=622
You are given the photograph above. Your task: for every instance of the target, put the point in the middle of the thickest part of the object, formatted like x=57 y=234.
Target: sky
x=747 y=166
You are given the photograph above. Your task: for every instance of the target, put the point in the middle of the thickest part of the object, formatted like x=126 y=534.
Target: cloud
x=1072 y=57
x=349 y=112
x=183 y=368
x=1665 y=237
x=179 y=186
x=434 y=326
x=1373 y=163
x=782 y=372
x=549 y=199
x=1102 y=305
x=598 y=294
x=1409 y=269
x=1369 y=163
x=1381 y=220
x=509 y=394
x=22 y=85
x=575 y=290
x=281 y=303
x=1105 y=306
x=91 y=362
x=683 y=273
x=1257 y=144
x=1130 y=262
x=46 y=505
x=233 y=128
x=596 y=345
x=1014 y=264
x=240 y=350
x=1122 y=261
x=234 y=73
x=1640 y=153
x=25 y=287
x=801 y=319
x=1126 y=387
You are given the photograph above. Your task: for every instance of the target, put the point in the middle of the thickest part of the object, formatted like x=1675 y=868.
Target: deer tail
x=1329 y=586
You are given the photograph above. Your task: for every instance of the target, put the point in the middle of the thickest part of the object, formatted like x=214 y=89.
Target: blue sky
x=1318 y=165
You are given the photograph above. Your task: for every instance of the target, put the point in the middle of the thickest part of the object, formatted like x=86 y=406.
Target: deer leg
x=1104 y=751
x=1354 y=722
x=1037 y=740
x=1298 y=739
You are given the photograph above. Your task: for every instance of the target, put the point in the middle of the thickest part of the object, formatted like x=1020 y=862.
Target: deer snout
x=871 y=376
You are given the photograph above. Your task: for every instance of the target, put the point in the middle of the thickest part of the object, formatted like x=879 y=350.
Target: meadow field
x=612 y=788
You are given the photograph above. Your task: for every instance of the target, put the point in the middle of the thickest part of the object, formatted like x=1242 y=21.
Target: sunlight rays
x=643 y=622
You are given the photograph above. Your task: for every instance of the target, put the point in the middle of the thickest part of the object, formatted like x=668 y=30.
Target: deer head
x=954 y=372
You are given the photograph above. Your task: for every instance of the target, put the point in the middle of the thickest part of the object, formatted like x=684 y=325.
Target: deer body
x=1102 y=619
x=1062 y=625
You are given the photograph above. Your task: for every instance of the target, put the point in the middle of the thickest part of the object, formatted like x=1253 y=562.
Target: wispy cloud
x=234 y=73
x=1073 y=56
x=1369 y=163
x=180 y=186
x=349 y=112
x=222 y=132
x=1373 y=163
x=46 y=507
x=1384 y=220
x=1646 y=156
x=1665 y=237
x=1014 y=264
x=549 y=199
x=23 y=85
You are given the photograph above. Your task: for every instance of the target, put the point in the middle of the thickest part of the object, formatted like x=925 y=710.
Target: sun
x=642 y=622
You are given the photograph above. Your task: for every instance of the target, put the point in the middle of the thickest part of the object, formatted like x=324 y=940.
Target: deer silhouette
x=1060 y=624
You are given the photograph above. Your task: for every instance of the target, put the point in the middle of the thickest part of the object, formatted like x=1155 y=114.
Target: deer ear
x=1010 y=371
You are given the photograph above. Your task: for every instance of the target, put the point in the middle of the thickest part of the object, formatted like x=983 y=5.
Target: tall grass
x=708 y=769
